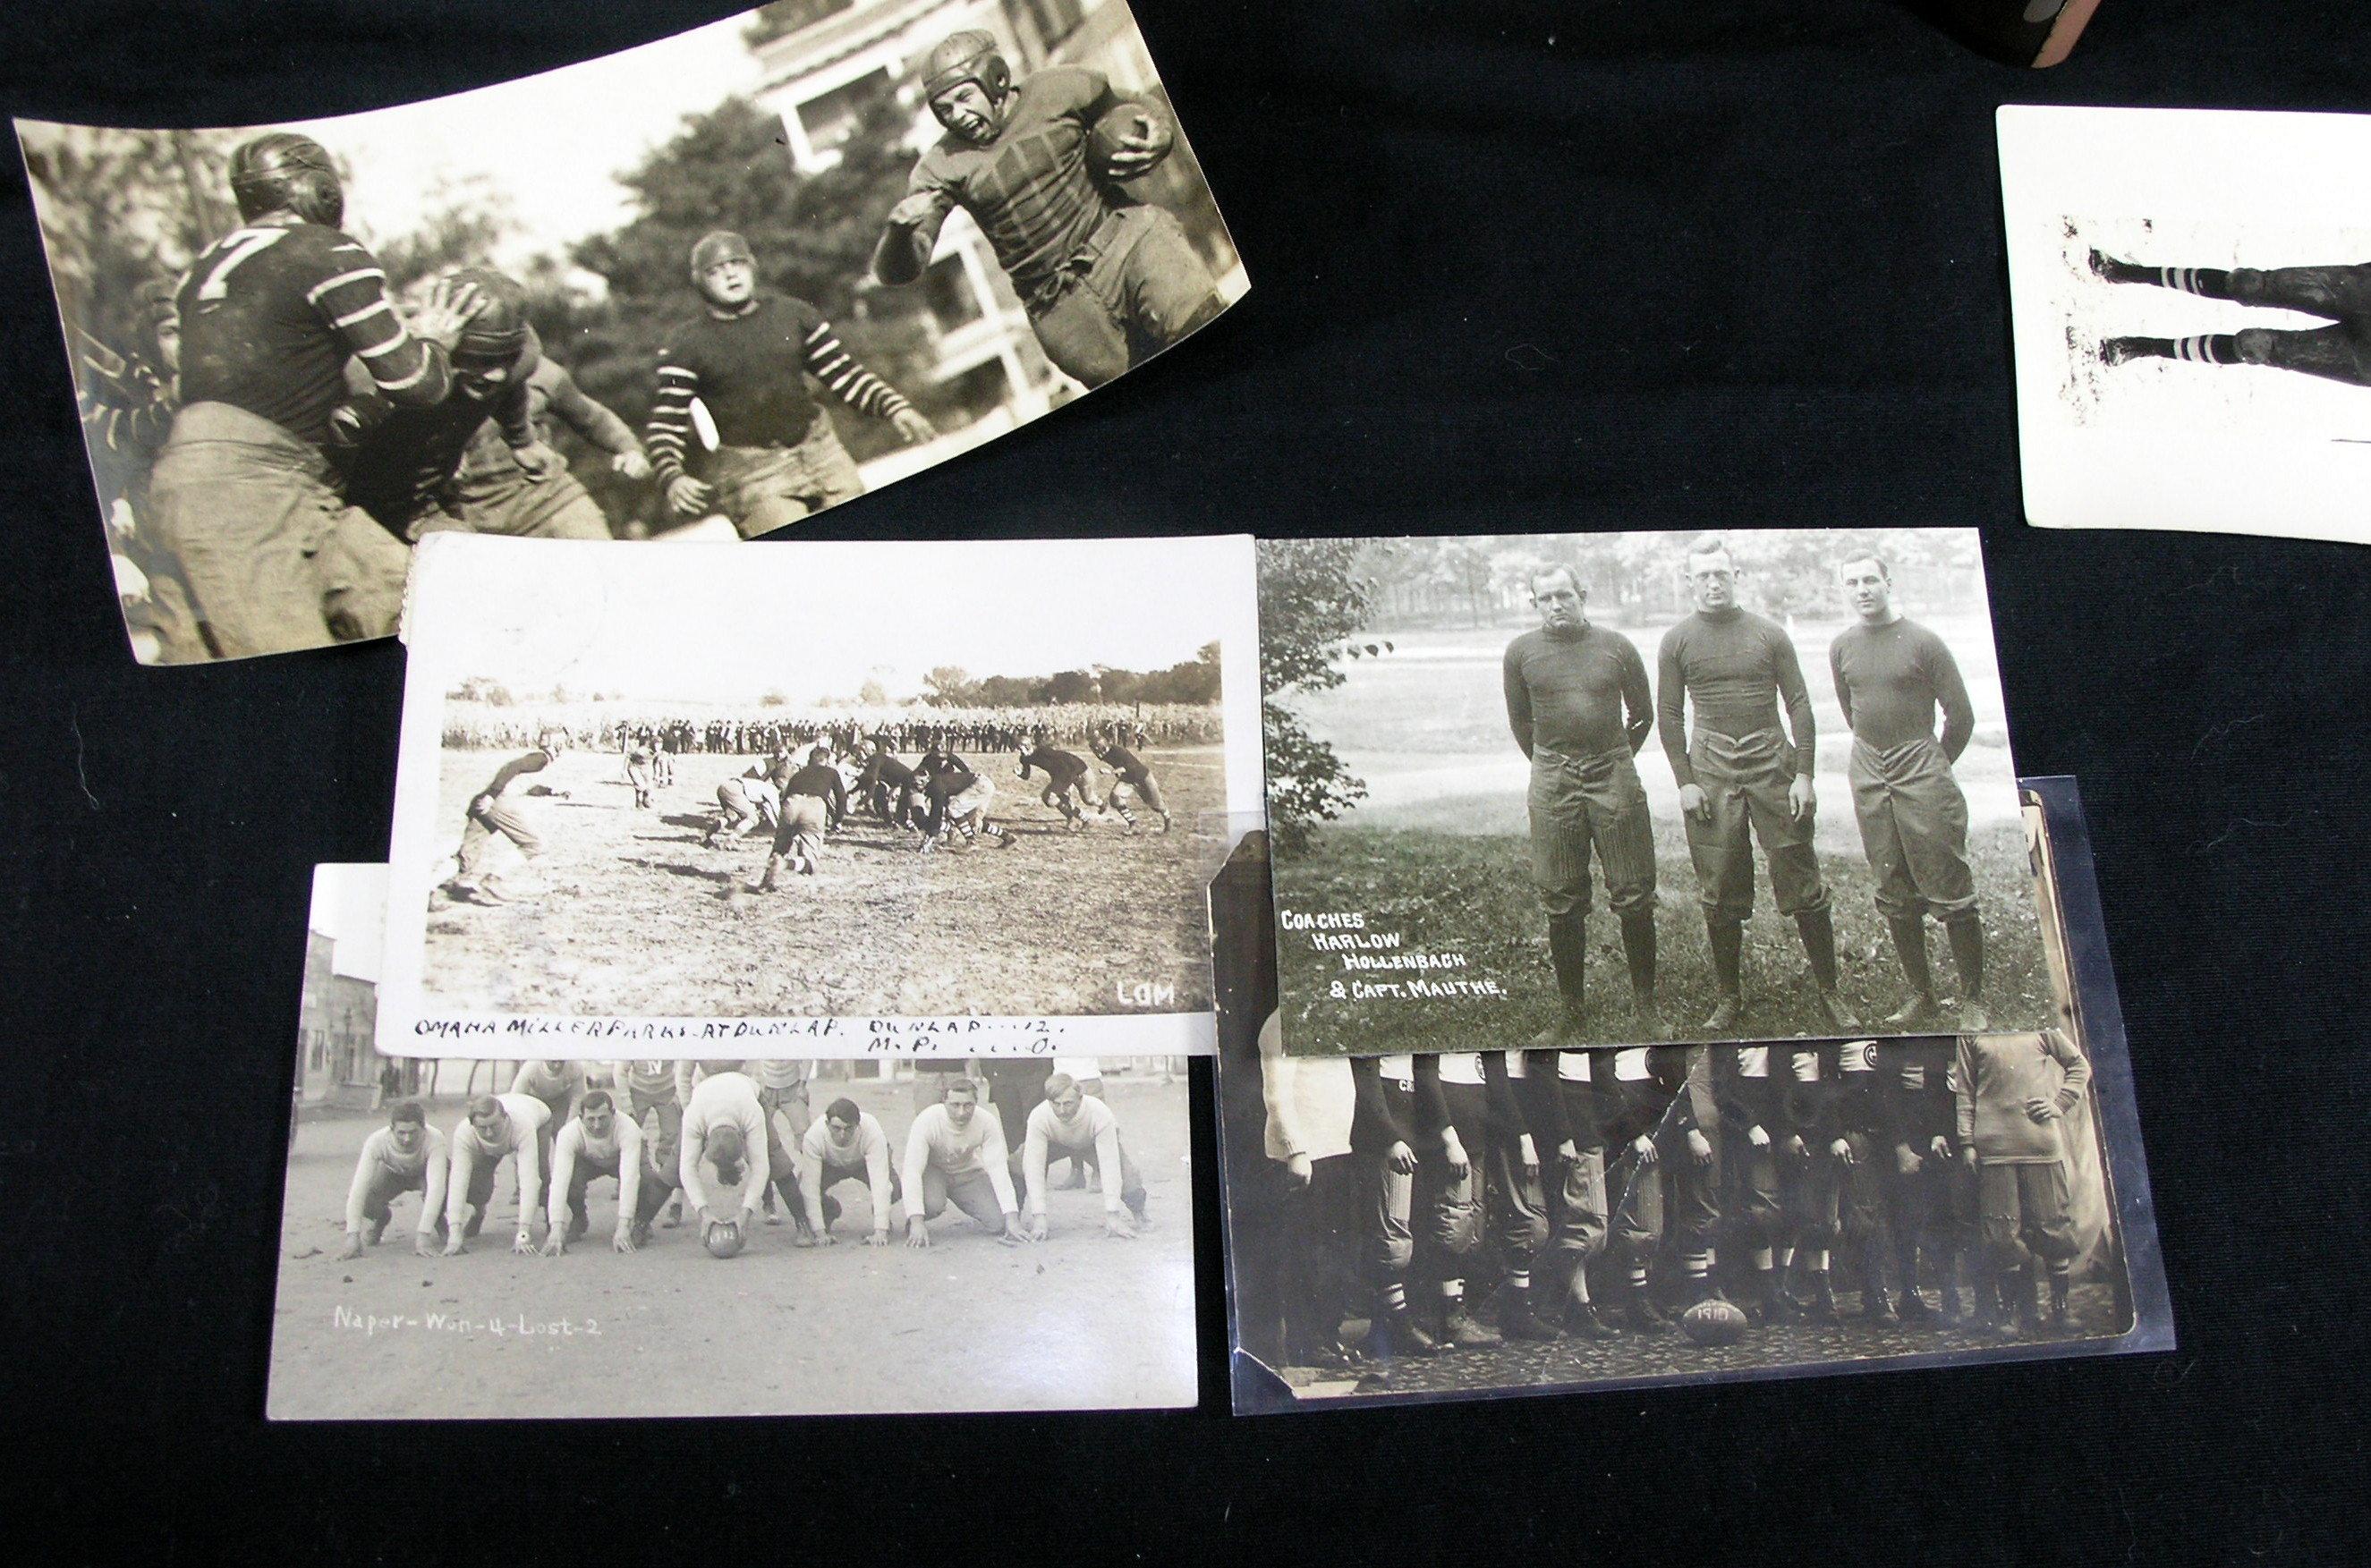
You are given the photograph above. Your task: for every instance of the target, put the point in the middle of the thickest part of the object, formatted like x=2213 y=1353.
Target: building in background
x=337 y=1064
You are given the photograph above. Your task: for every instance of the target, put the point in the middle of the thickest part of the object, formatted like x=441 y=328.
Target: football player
x=2013 y=1090
x=750 y=800
x=1384 y=1140
x=496 y=495
x=1107 y=283
x=1131 y=781
x=405 y=1155
x=812 y=802
x=2340 y=294
x=1525 y=1134
x=1893 y=677
x=1752 y=1102
x=1312 y=1106
x=652 y=1088
x=1453 y=1107
x=1815 y=1159
x=498 y=1127
x=1577 y=702
x=725 y=1135
x=1069 y=779
x=241 y=496
x=886 y=785
x=747 y=360
x=1577 y=1210
x=1933 y=1205
x=955 y=799
x=1741 y=770
x=955 y=1154
x=846 y=1145
x=490 y=815
x=599 y=1142
x=1645 y=1109
x=1066 y=1122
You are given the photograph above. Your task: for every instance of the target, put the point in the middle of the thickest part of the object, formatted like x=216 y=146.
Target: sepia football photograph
x=1577 y=789
x=472 y=1239
x=1475 y=1225
x=879 y=797
x=703 y=288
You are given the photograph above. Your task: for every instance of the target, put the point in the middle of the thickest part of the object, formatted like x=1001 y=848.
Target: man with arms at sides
x=405 y=1155
x=1107 y=283
x=498 y=1127
x=955 y=1154
x=1933 y=1205
x=241 y=496
x=652 y=1088
x=725 y=1137
x=1577 y=1210
x=1066 y=1122
x=599 y=1143
x=1384 y=1142
x=2014 y=1091
x=1751 y=1097
x=1893 y=677
x=746 y=359
x=845 y=1143
x=1526 y=1130
x=1577 y=702
x=1311 y=1105
x=1871 y=1219
x=1739 y=770
x=489 y=813
x=1452 y=1114
x=1637 y=1087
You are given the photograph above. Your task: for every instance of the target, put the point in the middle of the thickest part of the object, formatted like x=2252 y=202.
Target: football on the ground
x=1714 y=1321
x=1120 y=127
x=722 y=1238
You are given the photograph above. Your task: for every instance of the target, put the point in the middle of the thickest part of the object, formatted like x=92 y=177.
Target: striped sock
x=1697 y=1266
x=1521 y=1279
x=2212 y=347
x=2212 y=282
x=1395 y=1295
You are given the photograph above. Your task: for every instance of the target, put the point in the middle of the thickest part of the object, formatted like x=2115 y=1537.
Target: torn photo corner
x=1633 y=789
x=1404 y=1229
x=300 y=348
x=2191 y=294
x=879 y=798
x=472 y=1239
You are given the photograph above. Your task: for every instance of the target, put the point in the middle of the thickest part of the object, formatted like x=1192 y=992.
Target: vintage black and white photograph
x=505 y=1240
x=890 y=796
x=1572 y=789
x=2192 y=293
x=1463 y=1225
x=702 y=288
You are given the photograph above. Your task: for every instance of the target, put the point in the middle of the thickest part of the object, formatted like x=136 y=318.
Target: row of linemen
x=1966 y=1155
x=906 y=730
x=726 y=1137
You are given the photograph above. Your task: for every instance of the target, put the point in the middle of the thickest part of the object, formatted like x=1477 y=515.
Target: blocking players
x=955 y=799
x=956 y=1155
x=490 y=815
x=1107 y=283
x=2340 y=294
x=1066 y=1122
x=405 y=1155
x=846 y=1145
x=498 y=1127
x=1739 y=769
x=750 y=800
x=495 y=495
x=887 y=785
x=2013 y=1092
x=241 y=496
x=747 y=360
x=725 y=1137
x=812 y=802
x=1131 y=781
x=1893 y=677
x=1577 y=702
x=599 y=1143
x=1069 y=788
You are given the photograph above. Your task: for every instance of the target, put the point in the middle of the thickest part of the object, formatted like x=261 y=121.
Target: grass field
x=1439 y=852
x=1080 y=1320
x=631 y=916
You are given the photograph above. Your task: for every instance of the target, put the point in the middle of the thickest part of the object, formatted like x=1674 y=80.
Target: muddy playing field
x=1081 y=1320
x=626 y=913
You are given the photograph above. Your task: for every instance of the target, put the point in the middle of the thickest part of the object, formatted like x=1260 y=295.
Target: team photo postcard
x=2192 y=293
x=846 y=800
x=1577 y=789
x=702 y=288
x=464 y=1238
x=1477 y=1224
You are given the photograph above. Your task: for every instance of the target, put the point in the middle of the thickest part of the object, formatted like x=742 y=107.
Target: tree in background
x=1312 y=602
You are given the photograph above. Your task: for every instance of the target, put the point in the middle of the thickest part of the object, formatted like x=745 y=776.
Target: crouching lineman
x=813 y=799
x=405 y=1155
x=499 y=1127
x=845 y=1143
x=750 y=800
x=955 y=1155
x=955 y=800
x=2014 y=1091
x=1067 y=1122
x=599 y=1143
x=724 y=1134
x=1069 y=779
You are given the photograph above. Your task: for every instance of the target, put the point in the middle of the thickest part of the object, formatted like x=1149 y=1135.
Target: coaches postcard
x=2192 y=310
x=466 y=1237
x=708 y=286
x=1482 y=1224
x=1625 y=789
x=850 y=798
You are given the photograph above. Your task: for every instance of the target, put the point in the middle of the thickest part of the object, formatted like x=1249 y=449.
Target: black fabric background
x=1603 y=263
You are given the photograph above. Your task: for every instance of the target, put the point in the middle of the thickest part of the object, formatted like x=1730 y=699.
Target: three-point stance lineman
x=498 y=1126
x=845 y=1143
x=955 y=1154
x=405 y=1155
x=1739 y=768
x=241 y=497
x=1577 y=702
x=1065 y=1122
x=599 y=1143
x=725 y=1137
x=1891 y=676
x=746 y=359
x=1108 y=283
x=2341 y=351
